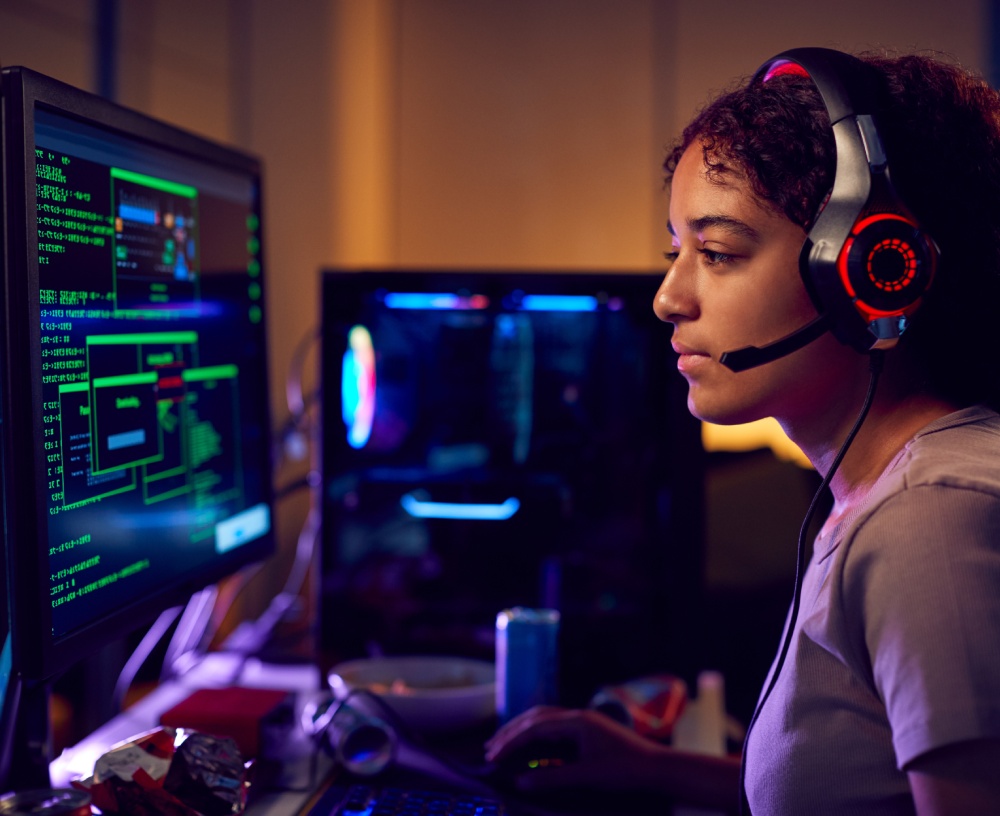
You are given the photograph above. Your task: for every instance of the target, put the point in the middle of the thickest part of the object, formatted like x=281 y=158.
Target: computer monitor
x=501 y=438
x=136 y=432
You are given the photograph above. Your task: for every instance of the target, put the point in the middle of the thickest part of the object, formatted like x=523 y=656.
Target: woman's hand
x=607 y=755
x=610 y=757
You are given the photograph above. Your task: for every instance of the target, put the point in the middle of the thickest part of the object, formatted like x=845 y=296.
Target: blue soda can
x=526 y=660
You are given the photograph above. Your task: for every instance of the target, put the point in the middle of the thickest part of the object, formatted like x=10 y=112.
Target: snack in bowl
x=429 y=694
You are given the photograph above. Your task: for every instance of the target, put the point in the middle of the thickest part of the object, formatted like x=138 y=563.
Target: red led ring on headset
x=884 y=296
x=904 y=250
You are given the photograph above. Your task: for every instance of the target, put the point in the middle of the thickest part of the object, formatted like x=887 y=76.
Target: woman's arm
x=611 y=757
x=957 y=780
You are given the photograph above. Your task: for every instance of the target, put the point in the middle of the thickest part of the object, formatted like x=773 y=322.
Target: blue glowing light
x=434 y=300
x=558 y=303
x=242 y=528
x=453 y=510
x=357 y=387
x=141 y=215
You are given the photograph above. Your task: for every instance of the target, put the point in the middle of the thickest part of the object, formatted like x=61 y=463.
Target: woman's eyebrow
x=725 y=222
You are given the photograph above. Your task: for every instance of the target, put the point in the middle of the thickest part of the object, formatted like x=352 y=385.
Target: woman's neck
x=891 y=423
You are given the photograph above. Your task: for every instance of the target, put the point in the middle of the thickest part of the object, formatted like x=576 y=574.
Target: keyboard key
x=365 y=800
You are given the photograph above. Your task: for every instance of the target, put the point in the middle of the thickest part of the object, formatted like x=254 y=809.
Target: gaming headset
x=866 y=262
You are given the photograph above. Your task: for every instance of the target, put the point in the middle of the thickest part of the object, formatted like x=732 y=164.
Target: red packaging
x=650 y=706
x=170 y=772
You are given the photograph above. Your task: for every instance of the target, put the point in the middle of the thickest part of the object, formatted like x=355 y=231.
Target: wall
x=527 y=134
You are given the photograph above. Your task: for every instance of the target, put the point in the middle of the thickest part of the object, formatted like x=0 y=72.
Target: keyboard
x=367 y=800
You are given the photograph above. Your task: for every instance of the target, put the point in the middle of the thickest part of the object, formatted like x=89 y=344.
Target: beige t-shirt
x=896 y=649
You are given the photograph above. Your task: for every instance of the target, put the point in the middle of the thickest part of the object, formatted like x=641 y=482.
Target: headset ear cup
x=886 y=266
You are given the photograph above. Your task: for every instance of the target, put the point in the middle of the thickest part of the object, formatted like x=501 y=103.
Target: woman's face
x=734 y=282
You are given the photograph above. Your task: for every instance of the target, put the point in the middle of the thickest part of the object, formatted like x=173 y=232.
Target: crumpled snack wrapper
x=650 y=706
x=170 y=772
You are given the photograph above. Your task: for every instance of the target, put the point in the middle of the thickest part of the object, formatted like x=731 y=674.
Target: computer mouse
x=534 y=756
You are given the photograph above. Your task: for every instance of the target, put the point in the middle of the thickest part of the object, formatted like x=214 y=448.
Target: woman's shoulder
x=960 y=450
x=947 y=474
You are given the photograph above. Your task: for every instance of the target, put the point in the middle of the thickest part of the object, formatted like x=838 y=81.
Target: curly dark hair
x=941 y=129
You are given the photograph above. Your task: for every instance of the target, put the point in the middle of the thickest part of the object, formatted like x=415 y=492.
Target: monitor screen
x=493 y=439
x=137 y=461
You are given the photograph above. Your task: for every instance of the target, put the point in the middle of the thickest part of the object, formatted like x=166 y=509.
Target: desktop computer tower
x=497 y=439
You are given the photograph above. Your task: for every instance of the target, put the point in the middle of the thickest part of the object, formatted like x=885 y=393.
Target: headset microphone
x=753 y=356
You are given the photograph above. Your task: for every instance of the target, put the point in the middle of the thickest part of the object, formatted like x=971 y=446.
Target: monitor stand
x=29 y=769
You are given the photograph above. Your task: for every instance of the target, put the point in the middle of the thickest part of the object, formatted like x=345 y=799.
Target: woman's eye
x=711 y=257
x=714 y=257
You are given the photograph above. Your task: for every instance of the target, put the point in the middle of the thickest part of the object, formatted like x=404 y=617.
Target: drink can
x=526 y=660
x=362 y=743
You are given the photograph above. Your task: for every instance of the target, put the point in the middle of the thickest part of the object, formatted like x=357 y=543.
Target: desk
x=414 y=767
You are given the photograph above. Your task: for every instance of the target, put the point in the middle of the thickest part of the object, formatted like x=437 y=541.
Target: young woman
x=885 y=696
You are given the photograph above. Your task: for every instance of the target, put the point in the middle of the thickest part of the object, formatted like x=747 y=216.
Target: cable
x=875 y=369
x=190 y=631
x=297 y=404
x=292 y=437
x=141 y=653
x=211 y=621
x=303 y=482
x=305 y=548
x=249 y=637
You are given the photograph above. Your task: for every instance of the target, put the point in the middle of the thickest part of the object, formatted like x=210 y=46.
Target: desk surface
x=414 y=766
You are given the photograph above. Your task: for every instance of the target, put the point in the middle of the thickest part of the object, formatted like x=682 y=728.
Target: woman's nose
x=674 y=299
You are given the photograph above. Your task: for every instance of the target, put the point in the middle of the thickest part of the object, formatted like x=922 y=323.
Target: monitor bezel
x=38 y=654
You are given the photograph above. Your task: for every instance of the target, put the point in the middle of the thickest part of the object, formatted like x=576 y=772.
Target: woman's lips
x=689 y=359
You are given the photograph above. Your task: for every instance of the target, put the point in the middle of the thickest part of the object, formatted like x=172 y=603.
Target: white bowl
x=430 y=694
